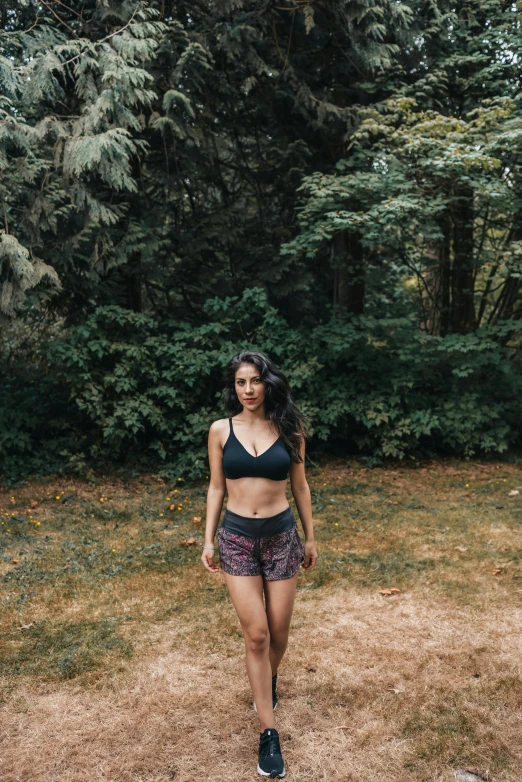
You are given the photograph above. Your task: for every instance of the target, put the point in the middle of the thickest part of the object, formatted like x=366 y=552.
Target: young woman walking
x=251 y=456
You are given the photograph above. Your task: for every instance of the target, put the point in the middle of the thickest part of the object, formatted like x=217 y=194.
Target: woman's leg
x=279 y=597
x=246 y=593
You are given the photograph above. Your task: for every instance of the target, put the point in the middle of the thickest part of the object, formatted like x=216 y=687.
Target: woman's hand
x=207 y=557
x=310 y=557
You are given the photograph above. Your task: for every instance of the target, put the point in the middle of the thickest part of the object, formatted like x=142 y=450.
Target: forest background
x=337 y=183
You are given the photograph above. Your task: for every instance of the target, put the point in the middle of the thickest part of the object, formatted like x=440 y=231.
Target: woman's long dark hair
x=280 y=408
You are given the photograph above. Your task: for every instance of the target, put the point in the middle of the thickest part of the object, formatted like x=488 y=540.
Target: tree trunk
x=349 y=278
x=463 y=273
x=437 y=281
x=445 y=275
x=133 y=283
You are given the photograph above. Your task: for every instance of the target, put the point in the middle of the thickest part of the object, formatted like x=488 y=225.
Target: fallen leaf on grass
x=189 y=542
x=461 y=548
x=15 y=561
x=392 y=502
x=395 y=690
x=34 y=504
x=197 y=519
x=26 y=627
x=171 y=507
x=497 y=571
x=513 y=493
x=387 y=592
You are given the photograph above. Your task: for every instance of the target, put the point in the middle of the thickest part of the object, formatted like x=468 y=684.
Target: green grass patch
x=63 y=650
x=447 y=527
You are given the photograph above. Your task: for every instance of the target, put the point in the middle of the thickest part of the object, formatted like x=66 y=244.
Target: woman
x=251 y=456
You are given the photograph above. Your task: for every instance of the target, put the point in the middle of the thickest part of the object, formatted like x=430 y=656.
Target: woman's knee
x=257 y=640
x=279 y=641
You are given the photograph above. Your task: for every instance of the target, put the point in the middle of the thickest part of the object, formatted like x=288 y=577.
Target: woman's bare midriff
x=256 y=498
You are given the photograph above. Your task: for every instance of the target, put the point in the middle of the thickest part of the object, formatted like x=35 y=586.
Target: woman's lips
x=250 y=400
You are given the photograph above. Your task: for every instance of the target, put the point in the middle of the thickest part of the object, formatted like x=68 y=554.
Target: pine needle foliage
x=341 y=180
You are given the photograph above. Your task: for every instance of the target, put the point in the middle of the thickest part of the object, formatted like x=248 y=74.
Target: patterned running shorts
x=274 y=557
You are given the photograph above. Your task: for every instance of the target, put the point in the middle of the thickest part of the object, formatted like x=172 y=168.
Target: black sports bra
x=274 y=463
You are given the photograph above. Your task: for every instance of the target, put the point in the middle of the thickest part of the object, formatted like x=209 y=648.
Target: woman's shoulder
x=219 y=425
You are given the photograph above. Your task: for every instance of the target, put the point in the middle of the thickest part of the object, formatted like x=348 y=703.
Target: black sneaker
x=270 y=762
x=274 y=694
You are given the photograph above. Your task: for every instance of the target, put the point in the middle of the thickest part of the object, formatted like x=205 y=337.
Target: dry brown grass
x=409 y=687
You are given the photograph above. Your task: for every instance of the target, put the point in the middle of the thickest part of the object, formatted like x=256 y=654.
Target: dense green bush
x=123 y=389
x=38 y=424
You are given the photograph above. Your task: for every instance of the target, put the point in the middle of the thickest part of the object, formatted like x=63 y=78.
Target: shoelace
x=270 y=744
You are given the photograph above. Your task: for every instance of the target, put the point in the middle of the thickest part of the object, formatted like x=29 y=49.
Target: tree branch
x=102 y=40
x=48 y=6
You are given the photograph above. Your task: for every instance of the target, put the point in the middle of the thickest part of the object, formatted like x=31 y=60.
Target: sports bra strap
x=230 y=422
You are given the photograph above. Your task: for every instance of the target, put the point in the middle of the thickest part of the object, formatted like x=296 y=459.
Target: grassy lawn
x=121 y=658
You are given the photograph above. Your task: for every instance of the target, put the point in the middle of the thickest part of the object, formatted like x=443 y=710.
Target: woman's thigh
x=246 y=593
x=279 y=597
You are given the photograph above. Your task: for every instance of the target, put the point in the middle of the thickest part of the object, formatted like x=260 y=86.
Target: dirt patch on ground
x=121 y=659
x=372 y=688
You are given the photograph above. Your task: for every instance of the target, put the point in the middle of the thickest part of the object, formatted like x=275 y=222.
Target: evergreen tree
x=165 y=153
x=432 y=182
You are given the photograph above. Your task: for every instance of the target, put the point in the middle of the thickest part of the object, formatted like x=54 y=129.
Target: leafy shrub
x=37 y=422
x=124 y=389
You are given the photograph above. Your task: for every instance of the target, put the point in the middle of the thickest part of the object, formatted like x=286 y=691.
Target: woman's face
x=250 y=389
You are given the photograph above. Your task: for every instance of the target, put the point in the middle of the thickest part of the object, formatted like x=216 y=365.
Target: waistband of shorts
x=255 y=527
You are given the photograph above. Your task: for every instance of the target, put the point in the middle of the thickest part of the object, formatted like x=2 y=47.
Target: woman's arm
x=303 y=500
x=215 y=494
